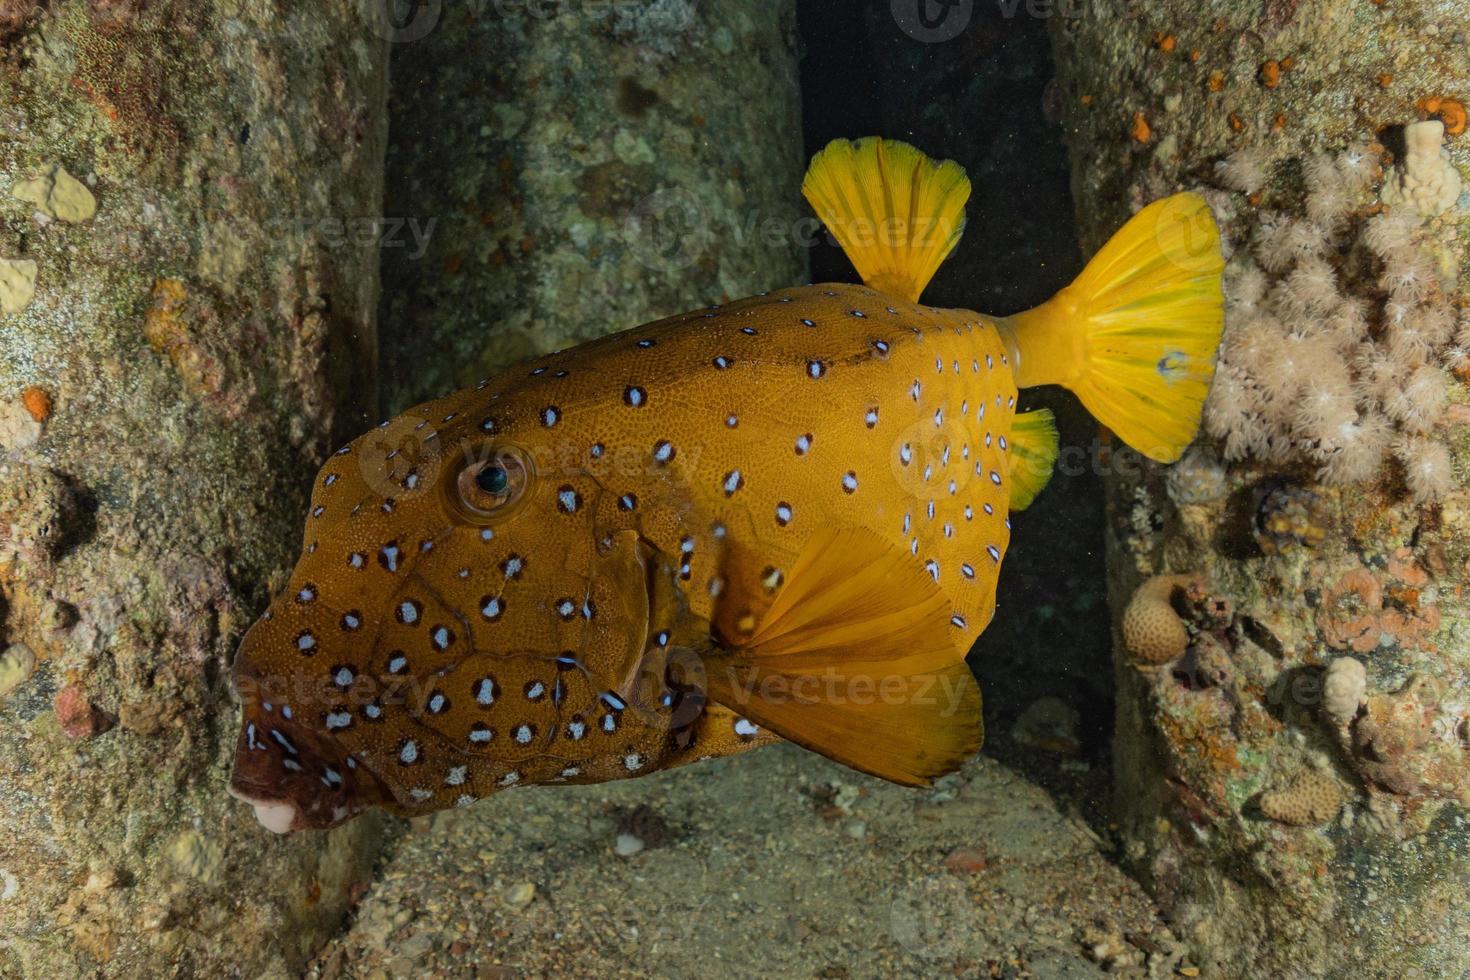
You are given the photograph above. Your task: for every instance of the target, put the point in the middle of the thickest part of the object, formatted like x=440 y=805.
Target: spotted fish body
x=675 y=486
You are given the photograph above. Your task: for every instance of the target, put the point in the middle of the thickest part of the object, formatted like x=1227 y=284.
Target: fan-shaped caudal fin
x=1135 y=336
x=896 y=213
x=854 y=660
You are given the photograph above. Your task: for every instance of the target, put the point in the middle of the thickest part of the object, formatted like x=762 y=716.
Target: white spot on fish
x=389 y=555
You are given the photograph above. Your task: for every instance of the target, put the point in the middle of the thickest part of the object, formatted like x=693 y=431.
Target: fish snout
x=295 y=776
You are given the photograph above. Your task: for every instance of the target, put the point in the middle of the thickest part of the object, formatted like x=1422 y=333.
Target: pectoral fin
x=1033 y=455
x=854 y=660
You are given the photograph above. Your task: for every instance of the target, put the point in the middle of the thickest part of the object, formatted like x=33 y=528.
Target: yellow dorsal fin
x=896 y=213
x=1033 y=455
x=854 y=659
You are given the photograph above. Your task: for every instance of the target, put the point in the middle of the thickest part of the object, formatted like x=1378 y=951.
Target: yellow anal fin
x=854 y=660
x=1033 y=455
x=1135 y=335
x=895 y=212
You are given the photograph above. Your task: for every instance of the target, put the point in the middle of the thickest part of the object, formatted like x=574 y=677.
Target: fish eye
x=492 y=480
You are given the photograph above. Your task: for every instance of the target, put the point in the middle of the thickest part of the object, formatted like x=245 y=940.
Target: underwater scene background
x=1226 y=701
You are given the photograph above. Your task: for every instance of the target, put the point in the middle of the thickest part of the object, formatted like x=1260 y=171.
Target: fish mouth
x=277 y=816
x=295 y=778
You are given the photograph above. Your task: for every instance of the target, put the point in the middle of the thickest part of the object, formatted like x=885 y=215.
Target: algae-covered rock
x=1294 y=788
x=17 y=284
x=152 y=482
x=561 y=171
x=57 y=194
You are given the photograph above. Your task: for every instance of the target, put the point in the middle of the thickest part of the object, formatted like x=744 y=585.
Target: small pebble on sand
x=627 y=845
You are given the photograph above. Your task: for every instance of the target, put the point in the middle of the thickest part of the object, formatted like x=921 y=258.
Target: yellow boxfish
x=782 y=518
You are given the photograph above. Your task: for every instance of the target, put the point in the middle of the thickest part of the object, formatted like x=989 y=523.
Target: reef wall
x=580 y=168
x=1292 y=750
x=189 y=202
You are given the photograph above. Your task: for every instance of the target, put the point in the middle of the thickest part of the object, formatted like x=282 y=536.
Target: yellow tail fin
x=1135 y=335
x=896 y=213
x=856 y=659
